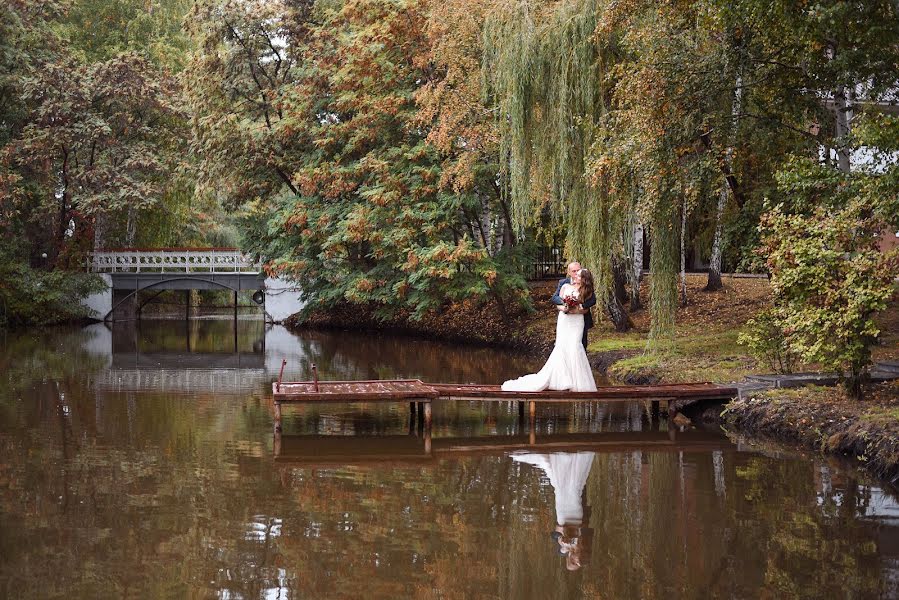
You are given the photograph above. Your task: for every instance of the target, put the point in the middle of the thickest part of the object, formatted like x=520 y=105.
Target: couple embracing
x=567 y=368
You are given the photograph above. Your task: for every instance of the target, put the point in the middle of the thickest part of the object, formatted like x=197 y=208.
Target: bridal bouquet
x=571 y=302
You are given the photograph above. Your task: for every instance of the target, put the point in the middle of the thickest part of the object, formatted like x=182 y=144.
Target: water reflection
x=567 y=473
x=172 y=487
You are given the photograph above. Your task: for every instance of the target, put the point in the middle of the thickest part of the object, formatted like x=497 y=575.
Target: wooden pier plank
x=405 y=389
x=352 y=391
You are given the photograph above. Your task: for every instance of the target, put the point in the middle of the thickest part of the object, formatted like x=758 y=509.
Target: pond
x=140 y=461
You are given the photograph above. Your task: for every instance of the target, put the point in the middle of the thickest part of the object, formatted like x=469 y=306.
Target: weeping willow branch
x=543 y=74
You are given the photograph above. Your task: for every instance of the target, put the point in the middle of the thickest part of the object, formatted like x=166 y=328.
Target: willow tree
x=544 y=74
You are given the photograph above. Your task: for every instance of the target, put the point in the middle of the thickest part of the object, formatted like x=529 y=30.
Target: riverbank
x=825 y=420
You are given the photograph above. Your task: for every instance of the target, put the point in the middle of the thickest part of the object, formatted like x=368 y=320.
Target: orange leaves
x=364 y=285
x=297 y=220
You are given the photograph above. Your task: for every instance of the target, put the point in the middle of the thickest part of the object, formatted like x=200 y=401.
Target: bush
x=35 y=297
x=828 y=279
x=765 y=339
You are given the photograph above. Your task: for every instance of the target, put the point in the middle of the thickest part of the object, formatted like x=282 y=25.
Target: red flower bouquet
x=571 y=302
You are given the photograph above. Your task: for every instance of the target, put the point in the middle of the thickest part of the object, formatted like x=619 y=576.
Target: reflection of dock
x=354 y=450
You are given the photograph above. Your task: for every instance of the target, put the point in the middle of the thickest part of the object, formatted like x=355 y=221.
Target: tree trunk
x=683 y=255
x=637 y=272
x=617 y=314
x=619 y=279
x=508 y=231
x=131 y=228
x=714 y=281
x=843 y=109
x=100 y=226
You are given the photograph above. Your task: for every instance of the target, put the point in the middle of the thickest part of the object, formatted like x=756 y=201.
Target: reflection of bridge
x=129 y=271
x=349 y=450
x=186 y=381
x=187 y=360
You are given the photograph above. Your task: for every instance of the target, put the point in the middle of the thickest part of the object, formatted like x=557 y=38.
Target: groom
x=573 y=268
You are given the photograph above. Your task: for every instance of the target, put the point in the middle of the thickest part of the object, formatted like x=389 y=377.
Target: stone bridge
x=130 y=271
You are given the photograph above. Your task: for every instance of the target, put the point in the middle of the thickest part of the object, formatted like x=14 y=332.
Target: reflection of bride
x=567 y=473
x=567 y=368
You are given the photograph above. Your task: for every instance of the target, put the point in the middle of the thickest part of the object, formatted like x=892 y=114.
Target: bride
x=567 y=368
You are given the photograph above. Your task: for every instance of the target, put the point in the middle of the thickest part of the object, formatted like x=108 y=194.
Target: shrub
x=765 y=339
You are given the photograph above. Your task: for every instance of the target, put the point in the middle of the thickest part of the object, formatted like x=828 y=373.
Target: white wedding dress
x=567 y=368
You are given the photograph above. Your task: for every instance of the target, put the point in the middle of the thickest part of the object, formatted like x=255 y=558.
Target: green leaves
x=828 y=276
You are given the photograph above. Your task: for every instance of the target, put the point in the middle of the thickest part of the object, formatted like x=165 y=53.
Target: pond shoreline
x=823 y=420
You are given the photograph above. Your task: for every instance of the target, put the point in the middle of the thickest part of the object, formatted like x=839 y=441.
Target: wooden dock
x=417 y=392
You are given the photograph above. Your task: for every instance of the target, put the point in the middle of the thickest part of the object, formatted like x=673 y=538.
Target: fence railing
x=171 y=260
x=548 y=263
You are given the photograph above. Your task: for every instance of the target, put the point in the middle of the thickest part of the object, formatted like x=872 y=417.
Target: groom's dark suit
x=589 y=304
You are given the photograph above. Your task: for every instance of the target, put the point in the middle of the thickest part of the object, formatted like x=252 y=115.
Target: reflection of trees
x=43 y=354
x=150 y=495
x=354 y=355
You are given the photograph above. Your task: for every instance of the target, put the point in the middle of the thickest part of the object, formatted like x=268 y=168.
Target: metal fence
x=549 y=263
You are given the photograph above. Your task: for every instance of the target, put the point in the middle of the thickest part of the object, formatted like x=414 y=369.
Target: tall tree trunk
x=617 y=314
x=714 y=281
x=619 y=279
x=683 y=255
x=508 y=231
x=131 y=227
x=100 y=227
x=63 y=207
x=843 y=108
x=637 y=271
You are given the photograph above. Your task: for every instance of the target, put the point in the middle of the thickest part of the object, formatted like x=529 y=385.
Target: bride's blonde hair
x=586 y=288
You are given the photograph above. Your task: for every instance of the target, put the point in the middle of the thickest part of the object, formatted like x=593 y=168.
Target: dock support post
x=532 y=432
x=412 y=418
x=235 y=313
x=277 y=444
x=427 y=412
x=277 y=416
x=532 y=420
x=427 y=434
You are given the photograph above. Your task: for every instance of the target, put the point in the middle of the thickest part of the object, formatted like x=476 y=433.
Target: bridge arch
x=165 y=286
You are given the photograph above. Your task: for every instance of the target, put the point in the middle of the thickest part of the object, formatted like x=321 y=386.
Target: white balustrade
x=171 y=260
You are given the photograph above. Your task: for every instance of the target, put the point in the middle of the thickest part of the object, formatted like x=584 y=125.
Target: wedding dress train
x=567 y=368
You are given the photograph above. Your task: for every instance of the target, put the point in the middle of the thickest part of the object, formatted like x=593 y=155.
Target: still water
x=139 y=462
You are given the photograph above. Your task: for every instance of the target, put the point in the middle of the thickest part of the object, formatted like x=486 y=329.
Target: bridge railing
x=171 y=260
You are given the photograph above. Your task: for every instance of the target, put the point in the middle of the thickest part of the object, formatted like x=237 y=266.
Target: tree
x=247 y=138
x=370 y=221
x=97 y=141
